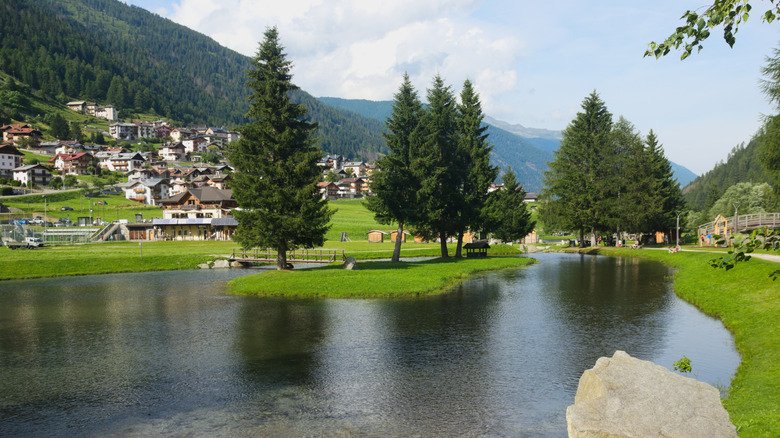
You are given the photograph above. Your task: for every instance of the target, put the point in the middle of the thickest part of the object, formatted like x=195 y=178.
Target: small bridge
x=725 y=226
x=267 y=255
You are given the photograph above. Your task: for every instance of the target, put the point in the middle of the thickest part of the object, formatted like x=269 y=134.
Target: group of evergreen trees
x=606 y=178
x=438 y=172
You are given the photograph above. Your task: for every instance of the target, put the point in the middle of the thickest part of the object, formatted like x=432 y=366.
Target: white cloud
x=531 y=62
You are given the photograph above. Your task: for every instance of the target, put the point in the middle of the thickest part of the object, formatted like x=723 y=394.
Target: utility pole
x=678 y=228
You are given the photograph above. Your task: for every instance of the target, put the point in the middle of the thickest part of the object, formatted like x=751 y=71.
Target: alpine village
x=406 y=267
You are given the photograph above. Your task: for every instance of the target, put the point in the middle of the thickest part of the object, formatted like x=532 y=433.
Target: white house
x=123 y=131
x=35 y=173
x=172 y=152
x=149 y=191
x=107 y=112
x=10 y=159
x=120 y=161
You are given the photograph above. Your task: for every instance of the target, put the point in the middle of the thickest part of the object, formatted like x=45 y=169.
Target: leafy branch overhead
x=727 y=13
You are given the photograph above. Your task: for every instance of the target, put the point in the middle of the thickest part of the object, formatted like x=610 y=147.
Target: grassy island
x=748 y=303
x=374 y=279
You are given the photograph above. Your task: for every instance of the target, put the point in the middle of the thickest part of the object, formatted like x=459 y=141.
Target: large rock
x=221 y=264
x=626 y=397
x=350 y=263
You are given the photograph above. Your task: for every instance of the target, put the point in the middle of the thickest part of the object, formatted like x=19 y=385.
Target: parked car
x=66 y=208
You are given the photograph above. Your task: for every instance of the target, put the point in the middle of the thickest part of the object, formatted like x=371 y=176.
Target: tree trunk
x=398 y=238
x=582 y=238
x=458 y=251
x=443 y=238
x=592 y=237
x=281 y=259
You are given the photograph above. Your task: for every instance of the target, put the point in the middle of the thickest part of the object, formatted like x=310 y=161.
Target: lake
x=170 y=353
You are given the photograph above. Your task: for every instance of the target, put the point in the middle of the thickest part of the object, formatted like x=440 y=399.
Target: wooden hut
x=476 y=249
x=376 y=236
x=394 y=234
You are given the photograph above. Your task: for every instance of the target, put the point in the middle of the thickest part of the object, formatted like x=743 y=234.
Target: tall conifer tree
x=579 y=175
x=670 y=198
x=439 y=198
x=276 y=163
x=474 y=154
x=395 y=185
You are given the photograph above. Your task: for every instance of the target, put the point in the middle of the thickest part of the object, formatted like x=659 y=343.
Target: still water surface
x=170 y=353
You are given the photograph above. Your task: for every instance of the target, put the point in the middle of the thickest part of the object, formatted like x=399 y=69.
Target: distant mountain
x=526 y=159
x=528 y=133
x=683 y=174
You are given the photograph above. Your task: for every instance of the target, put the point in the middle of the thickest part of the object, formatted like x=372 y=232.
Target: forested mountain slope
x=742 y=165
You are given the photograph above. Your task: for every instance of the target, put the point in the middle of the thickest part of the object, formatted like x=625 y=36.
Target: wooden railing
x=744 y=222
x=256 y=255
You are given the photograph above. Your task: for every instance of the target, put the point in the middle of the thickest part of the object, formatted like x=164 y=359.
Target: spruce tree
x=670 y=198
x=474 y=161
x=439 y=198
x=505 y=213
x=579 y=176
x=395 y=185
x=276 y=163
x=58 y=127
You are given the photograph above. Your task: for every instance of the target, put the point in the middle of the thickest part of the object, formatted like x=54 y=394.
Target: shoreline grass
x=372 y=279
x=747 y=301
x=124 y=256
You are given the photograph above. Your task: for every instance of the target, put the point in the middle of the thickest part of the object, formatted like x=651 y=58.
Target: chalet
x=107 y=112
x=356 y=168
x=233 y=136
x=328 y=190
x=148 y=191
x=172 y=152
x=14 y=133
x=120 y=161
x=74 y=164
x=531 y=197
x=10 y=159
x=179 y=186
x=351 y=187
x=179 y=134
x=68 y=147
x=34 y=173
x=140 y=173
x=162 y=131
x=198 y=214
x=195 y=144
x=218 y=181
x=78 y=106
x=123 y=131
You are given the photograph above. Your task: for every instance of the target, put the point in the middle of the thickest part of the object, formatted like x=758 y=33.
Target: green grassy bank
x=372 y=279
x=748 y=303
x=114 y=257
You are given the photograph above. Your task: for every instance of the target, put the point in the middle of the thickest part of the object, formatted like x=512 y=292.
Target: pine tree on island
x=395 y=185
x=275 y=183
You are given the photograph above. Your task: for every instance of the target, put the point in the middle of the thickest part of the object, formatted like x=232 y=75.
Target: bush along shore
x=748 y=303
x=372 y=279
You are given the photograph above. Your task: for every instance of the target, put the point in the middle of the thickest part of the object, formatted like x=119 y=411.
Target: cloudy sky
x=532 y=62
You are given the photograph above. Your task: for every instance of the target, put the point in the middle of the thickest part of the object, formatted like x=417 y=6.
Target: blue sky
x=532 y=62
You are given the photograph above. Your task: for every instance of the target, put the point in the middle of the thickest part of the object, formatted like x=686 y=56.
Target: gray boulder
x=350 y=263
x=626 y=397
x=221 y=264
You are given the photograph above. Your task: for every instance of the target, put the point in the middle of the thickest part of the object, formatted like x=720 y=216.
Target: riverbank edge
x=747 y=302
x=128 y=257
x=378 y=279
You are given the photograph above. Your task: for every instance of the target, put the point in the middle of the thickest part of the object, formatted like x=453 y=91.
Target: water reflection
x=171 y=354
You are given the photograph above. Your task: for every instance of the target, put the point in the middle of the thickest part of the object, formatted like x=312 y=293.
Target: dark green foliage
x=743 y=164
x=667 y=191
x=505 y=212
x=343 y=132
x=58 y=127
x=436 y=141
x=276 y=163
x=76 y=133
x=395 y=184
x=580 y=178
x=473 y=160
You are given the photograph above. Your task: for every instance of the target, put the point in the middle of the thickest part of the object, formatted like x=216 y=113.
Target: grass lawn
x=748 y=303
x=372 y=279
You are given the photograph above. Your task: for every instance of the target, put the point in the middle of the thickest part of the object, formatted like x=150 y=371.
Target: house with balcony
x=203 y=213
x=14 y=133
x=123 y=131
x=120 y=161
x=33 y=173
x=148 y=191
x=352 y=188
x=172 y=152
x=74 y=164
